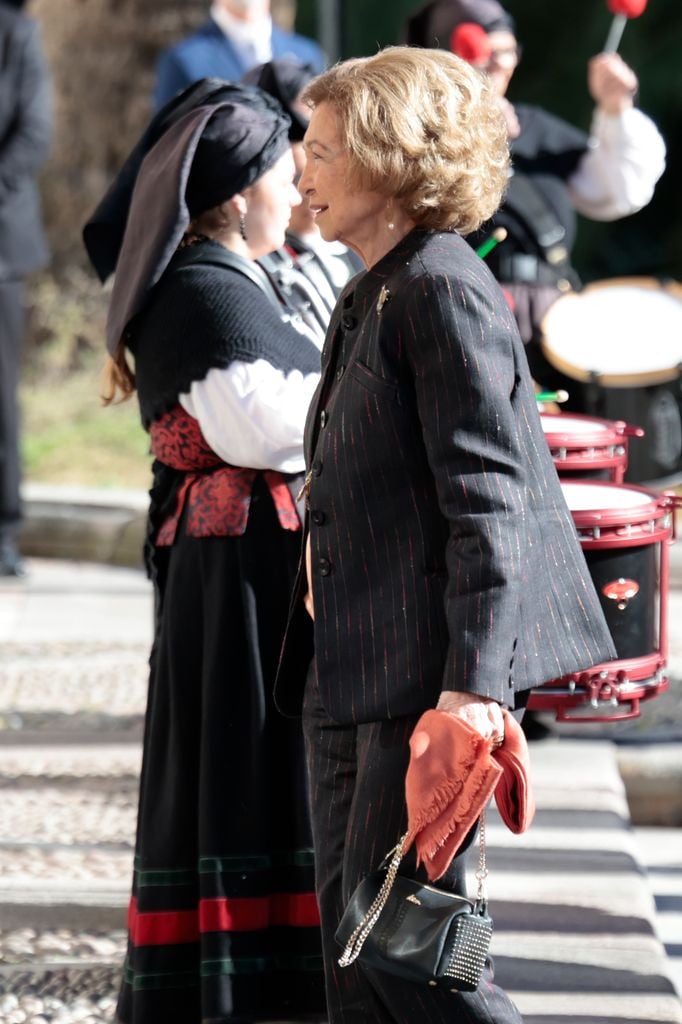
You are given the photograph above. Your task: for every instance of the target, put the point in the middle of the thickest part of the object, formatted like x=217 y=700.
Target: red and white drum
x=620 y=342
x=586 y=447
x=625 y=533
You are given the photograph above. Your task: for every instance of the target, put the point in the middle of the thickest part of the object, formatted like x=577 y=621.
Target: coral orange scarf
x=452 y=774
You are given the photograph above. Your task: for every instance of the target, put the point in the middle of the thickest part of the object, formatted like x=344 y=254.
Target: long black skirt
x=223 y=921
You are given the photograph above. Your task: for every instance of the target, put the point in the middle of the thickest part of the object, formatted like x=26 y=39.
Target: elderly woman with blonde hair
x=443 y=570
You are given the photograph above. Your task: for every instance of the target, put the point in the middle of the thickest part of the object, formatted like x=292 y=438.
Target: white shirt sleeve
x=252 y=414
x=619 y=171
x=617 y=174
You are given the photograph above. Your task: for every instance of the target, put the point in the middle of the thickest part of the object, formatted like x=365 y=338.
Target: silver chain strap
x=357 y=939
x=359 y=935
x=482 y=873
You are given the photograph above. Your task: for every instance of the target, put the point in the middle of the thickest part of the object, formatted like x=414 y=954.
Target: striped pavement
x=573 y=905
x=660 y=851
x=573 y=909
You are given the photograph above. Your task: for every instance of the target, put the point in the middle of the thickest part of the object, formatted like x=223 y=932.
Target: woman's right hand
x=481 y=713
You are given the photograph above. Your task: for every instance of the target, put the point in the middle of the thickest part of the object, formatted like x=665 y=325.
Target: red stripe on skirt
x=298 y=910
x=171 y=927
x=162 y=927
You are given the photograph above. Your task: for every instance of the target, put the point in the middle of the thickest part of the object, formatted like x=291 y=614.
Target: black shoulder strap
x=196 y=256
x=530 y=206
x=533 y=210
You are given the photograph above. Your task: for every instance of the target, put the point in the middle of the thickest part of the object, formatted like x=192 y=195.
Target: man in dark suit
x=238 y=35
x=25 y=131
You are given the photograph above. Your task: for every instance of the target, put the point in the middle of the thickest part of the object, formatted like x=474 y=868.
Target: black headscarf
x=218 y=150
x=285 y=79
x=234 y=150
x=433 y=25
x=103 y=233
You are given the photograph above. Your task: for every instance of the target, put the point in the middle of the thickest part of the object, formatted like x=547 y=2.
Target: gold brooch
x=384 y=296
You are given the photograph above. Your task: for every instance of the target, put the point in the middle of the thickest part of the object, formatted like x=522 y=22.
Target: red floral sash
x=217 y=496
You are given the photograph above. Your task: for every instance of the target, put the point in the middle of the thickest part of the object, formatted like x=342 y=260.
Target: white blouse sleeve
x=619 y=171
x=252 y=414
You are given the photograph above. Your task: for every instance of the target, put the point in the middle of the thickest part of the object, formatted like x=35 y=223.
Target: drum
x=586 y=447
x=620 y=343
x=625 y=534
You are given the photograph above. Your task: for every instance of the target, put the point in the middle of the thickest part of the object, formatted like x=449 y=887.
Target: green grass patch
x=69 y=437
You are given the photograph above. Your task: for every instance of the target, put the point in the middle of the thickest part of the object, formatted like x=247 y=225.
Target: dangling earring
x=390 y=224
x=242 y=227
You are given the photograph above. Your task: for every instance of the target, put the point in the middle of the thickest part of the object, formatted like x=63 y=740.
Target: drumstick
x=498 y=235
x=552 y=396
x=622 y=10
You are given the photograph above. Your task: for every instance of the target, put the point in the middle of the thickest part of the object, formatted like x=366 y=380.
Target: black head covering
x=103 y=233
x=434 y=23
x=242 y=145
x=234 y=150
x=285 y=79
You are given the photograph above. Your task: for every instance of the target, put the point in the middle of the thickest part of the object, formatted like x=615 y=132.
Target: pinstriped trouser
x=357 y=776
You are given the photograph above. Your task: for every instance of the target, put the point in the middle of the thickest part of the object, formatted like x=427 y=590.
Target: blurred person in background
x=238 y=35
x=558 y=170
x=223 y=922
x=25 y=133
x=310 y=272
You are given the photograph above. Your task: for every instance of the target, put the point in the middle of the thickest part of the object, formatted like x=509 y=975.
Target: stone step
x=84 y=991
x=93 y=690
x=62 y=693
x=97 y=904
x=38 y=764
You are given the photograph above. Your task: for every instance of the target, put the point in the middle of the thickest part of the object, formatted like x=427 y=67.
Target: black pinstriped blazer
x=443 y=553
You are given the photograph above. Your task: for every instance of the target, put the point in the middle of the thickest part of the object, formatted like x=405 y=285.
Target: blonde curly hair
x=421 y=127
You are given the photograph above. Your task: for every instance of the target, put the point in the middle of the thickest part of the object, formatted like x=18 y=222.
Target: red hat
x=433 y=24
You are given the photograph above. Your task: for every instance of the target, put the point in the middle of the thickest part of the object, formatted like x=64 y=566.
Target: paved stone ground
x=660 y=854
x=574 y=939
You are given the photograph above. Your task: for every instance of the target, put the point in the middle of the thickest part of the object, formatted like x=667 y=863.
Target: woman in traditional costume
x=223 y=922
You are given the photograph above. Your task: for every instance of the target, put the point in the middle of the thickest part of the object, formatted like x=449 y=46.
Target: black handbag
x=416 y=931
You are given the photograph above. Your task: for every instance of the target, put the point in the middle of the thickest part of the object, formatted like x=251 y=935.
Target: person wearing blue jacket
x=238 y=35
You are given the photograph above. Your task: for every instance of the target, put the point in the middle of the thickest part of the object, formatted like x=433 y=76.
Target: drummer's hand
x=611 y=82
x=482 y=713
